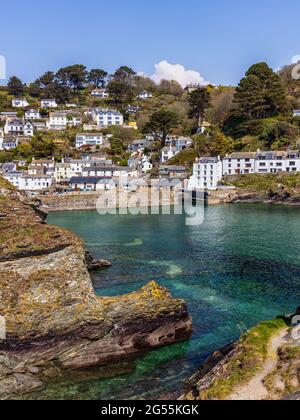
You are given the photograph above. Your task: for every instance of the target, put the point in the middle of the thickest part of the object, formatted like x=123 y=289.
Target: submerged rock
x=52 y=321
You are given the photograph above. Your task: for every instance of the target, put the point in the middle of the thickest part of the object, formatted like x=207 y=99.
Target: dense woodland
x=256 y=114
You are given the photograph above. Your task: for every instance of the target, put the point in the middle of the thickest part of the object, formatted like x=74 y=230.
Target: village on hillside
x=83 y=131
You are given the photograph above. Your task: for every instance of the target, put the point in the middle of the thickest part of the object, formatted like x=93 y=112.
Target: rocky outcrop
x=282 y=196
x=51 y=320
x=263 y=364
x=94 y=264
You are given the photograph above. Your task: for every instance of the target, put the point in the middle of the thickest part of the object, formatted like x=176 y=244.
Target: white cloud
x=167 y=71
x=296 y=59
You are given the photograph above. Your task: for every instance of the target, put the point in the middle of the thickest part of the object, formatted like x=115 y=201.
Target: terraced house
x=261 y=162
x=26 y=182
x=239 y=163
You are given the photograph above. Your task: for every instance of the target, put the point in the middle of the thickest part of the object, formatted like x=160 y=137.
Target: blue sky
x=218 y=38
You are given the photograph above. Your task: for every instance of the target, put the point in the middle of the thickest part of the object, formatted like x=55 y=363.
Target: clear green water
x=241 y=266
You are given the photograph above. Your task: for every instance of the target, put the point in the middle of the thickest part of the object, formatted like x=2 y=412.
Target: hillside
x=242 y=118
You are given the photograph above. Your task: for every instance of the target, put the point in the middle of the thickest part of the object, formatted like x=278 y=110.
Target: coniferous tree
x=199 y=101
x=15 y=86
x=97 y=77
x=261 y=93
x=160 y=124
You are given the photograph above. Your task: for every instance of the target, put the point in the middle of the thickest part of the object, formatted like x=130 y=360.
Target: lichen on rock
x=54 y=321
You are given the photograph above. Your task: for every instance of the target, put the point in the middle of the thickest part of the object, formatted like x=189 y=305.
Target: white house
x=239 y=163
x=181 y=143
x=20 y=103
x=26 y=182
x=8 y=142
x=44 y=166
x=207 y=173
x=296 y=113
x=75 y=122
x=15 y=178
x=145 y=95
x=40 y=125
x=32 y=114
x=57 y=121
x=14 y=126
x=91 y=183
x=168 y=152
x=37 y=182
x=145 y=165
x=107 y=117
x=261 y=162
x=62 y=172
x=48 y=103
x=9 y=114
x=28 y=129
x=100 y=93
x=89 y=139
x=77 y=165
x=276 y=162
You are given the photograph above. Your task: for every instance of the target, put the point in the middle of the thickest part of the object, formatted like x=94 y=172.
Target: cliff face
x=53 y=320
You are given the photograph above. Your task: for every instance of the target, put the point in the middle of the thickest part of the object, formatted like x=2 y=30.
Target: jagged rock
x=94 y=264
x=53 y=318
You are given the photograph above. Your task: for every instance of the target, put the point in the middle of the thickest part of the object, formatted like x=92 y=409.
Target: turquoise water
x=241 y=266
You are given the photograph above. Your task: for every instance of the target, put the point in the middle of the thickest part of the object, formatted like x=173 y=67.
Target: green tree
x=42 y=147
x=120 y=92
x=213 y=143
x=15 y=86
x=46 y=80
x=24 y=151
x=74 y=77
x=160 y=124
x=199 y=101
x=50 y=87
x=34 y=90
x=261 y=93
x=97 y=77
x=125 y=74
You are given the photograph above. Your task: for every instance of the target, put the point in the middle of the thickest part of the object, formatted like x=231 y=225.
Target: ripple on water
x=241 y=266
